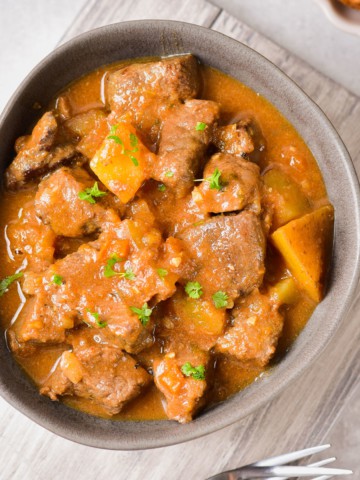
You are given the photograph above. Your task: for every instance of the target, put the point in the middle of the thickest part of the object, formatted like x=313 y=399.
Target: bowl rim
x=268 y=392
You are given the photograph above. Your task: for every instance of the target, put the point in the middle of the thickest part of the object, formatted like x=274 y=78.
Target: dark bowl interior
x=146 y=38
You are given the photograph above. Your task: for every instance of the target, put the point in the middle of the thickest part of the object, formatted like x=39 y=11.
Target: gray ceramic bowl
x=143 y=38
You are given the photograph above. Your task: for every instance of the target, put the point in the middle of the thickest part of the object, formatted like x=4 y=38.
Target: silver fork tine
x=320 y=463
x=323 y=477
x=289 y=457
x=296 y=471
x=247 y=473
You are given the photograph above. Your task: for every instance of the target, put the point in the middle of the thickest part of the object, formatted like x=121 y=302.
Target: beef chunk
x=235 y=139
x=31 y=240
x=254 y=331
x=228 y=253
x=39 y=154
x=239 y=182
x=87 y=287
x=145 y=91
x=58 y=383
x=184 y=395
x=20 y=349
x=100 y=372
x=57 y=203
x=182 y=146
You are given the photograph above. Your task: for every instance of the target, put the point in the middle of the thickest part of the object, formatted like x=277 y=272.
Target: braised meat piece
x=237 y=185
x=101 y=284
x=254 y=330
x=20 y=349
x=185 y=136
x=32 y=241
x=39 y=154
x=181 y=375
x=57 y=204
x=228 y=253
x=96 y=371
x=143 y=92
x=235 y=139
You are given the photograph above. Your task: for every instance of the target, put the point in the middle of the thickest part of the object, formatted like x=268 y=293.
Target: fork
x=276 y=468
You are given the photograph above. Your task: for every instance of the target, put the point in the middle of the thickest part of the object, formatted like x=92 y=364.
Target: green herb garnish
x=161 y=187
x=193 y=289
x=134 y=141
x=128 y=274
x=96 y=317
x=133 y=159
x=200 y=126
x=169 y=174
x=109 y=270
x=215 y=180
x=220 y=299
x=198 y=373
x=7 y=281
x=162 y=272
x=89 y=193
x=57 y=279
x=143 y=313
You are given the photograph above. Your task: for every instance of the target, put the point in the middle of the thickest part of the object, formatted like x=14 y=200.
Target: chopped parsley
x=193 y=289
x=128 y=274
x=7 y=281
x=96 y=317
x=143 y=313
x=162 y=272
x=57 y=279
x=89 y=193
x=215 y=180
x=133 y=159
x=109 y=270
x=169 y=174
x=220 y=299
x=134 y=142
x=200 y=126
x=198 y=373
x=161 y=187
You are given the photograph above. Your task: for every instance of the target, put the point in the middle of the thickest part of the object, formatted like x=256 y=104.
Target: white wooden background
x=304 y=414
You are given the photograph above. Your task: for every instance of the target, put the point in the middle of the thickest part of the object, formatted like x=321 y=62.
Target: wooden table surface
x=304 y=413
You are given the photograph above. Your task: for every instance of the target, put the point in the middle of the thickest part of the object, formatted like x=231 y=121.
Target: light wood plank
x=98 y=14
x=303 y=414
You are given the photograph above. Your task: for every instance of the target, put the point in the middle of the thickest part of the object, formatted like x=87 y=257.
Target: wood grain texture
x=303 y=414
x=98 y=14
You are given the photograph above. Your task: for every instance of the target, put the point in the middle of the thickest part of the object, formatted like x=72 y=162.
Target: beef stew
x=168 y=232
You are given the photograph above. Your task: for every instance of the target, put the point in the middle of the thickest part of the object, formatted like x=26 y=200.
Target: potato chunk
x=305 y=244
x=121 y=162
x=200 y=317
x=284 y=197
